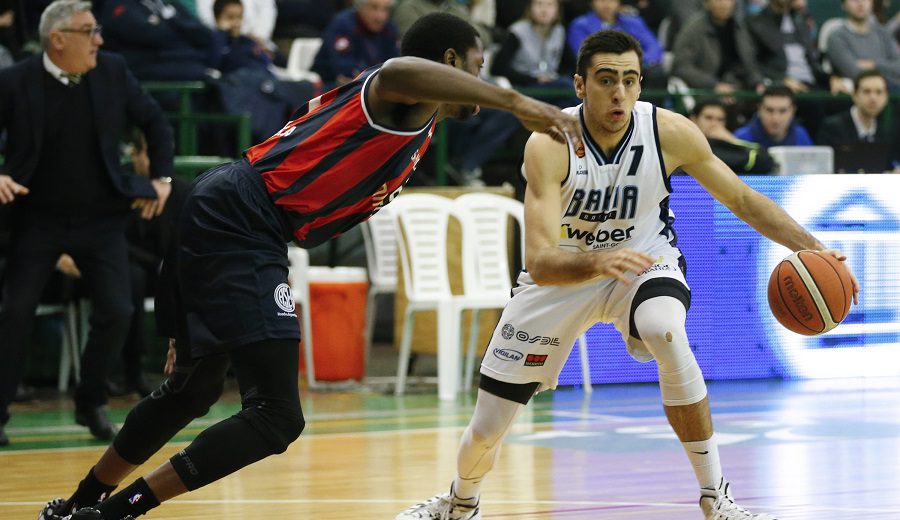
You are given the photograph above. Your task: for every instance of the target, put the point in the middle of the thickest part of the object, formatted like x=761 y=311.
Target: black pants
x=98 y=247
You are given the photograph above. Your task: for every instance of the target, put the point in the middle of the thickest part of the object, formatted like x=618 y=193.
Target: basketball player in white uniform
x=600 y=248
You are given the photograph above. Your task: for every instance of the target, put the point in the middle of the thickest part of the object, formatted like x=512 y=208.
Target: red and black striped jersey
x=333 y=166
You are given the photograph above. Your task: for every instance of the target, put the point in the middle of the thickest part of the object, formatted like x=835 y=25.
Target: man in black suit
x=62 y=191
x=863 y=122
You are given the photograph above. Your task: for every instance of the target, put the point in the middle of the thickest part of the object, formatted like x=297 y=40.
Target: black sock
x=134 y=500
x=90 y=492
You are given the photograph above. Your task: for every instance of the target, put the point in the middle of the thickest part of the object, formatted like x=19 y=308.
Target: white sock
x=704 y=457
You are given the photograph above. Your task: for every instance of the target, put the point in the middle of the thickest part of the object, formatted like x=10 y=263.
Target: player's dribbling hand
x=842 y=257
x=619 y=262
x=538 y=116
x=170 y=358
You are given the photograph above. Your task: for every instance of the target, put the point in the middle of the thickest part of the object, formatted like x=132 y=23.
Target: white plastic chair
x=298 y=269
x=380 y=241
x=301 y=57
x=485 y=261
x=421 y=227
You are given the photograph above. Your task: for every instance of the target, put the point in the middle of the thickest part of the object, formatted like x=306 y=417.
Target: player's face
x=78 y=42
x=710 y=119
x=610 y=88
x=776 y=114
x=472 y=62
x=871 y=97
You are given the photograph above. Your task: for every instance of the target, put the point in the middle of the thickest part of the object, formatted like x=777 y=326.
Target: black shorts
x=224 y=282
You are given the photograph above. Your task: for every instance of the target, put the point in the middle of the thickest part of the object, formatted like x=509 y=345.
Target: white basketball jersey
x=621 y=200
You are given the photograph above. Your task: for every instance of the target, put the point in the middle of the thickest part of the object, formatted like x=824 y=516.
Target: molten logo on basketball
x=797 y=298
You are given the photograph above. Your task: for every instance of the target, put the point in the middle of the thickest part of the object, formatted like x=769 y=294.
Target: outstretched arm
x=546 y=165
x=685 y=147
x=422 y=85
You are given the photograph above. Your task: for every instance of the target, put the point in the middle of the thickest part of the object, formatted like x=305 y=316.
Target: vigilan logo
x=507 y=354
x=797 y=298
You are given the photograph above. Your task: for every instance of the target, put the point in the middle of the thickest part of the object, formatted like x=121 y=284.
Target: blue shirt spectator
x=606 y=16
x=356 y=39
x=774 y=124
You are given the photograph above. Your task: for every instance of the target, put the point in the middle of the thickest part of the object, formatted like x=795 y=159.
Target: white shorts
x=540 y=324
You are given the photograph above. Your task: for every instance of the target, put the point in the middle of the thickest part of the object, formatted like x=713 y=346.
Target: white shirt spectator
x=259 y=17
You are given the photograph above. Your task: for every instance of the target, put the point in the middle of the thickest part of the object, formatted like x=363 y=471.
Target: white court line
x=594 y=503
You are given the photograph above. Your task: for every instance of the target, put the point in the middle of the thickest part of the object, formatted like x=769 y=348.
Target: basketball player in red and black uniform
x=226 y=299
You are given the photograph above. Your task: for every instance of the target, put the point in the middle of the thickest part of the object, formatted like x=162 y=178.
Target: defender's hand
x=538 y=116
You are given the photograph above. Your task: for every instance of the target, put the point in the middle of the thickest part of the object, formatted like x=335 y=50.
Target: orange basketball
x=810 y=292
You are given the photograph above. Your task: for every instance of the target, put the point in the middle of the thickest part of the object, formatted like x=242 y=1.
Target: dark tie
x=73 y=79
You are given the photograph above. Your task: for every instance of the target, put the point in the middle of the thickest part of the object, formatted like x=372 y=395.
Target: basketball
x=810 y=292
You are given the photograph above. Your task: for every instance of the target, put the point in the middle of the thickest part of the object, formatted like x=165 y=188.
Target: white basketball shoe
x=441 y=507
x=717 y=504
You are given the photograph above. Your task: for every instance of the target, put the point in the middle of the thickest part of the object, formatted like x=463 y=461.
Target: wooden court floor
x=814 y=450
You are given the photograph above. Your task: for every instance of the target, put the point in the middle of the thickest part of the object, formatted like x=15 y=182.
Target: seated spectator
x=864 y=123
x=10 y=36
x=534 y=52
x=606 y=15
x=235 y=50
x=741 y=156
x=714 y=51
x=247 y=85
x=159 y=40
x=356 y=39
x=860 y=44
x=786 y=51
x=258 y=21
x=773 y=124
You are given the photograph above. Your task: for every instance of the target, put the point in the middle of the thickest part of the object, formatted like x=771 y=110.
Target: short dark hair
x=708 y=102
x=609 y=41
x=778 y=91
x=871 y=73
x=434 y=33
x=220 y=5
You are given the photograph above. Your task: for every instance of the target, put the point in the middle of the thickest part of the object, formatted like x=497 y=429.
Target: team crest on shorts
x=284 y=298
x=507 y=331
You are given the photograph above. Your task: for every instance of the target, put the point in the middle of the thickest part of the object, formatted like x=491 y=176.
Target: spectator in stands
x=248 y=85
x=67 y=193
x=473 y=141
x=786 y=52
x=408 y=11
x=258 y=21
x=680 y=11
x=741 y=156
x=714 y=51
x=605 y=15
x=159 y=40
x=863 y=124
x=861 y=44
x=234 y=49
x=773 y=124
x=357 y=38
x=10 y=38
x=534 y=52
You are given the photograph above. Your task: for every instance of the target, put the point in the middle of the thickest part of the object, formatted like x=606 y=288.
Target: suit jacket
x=840 y=129
x=116 y=99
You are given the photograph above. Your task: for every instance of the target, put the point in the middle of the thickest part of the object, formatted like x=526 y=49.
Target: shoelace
x=725 y=506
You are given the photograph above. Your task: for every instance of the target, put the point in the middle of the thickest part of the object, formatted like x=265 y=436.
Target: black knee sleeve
x=183 y=397
x=277 y=425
